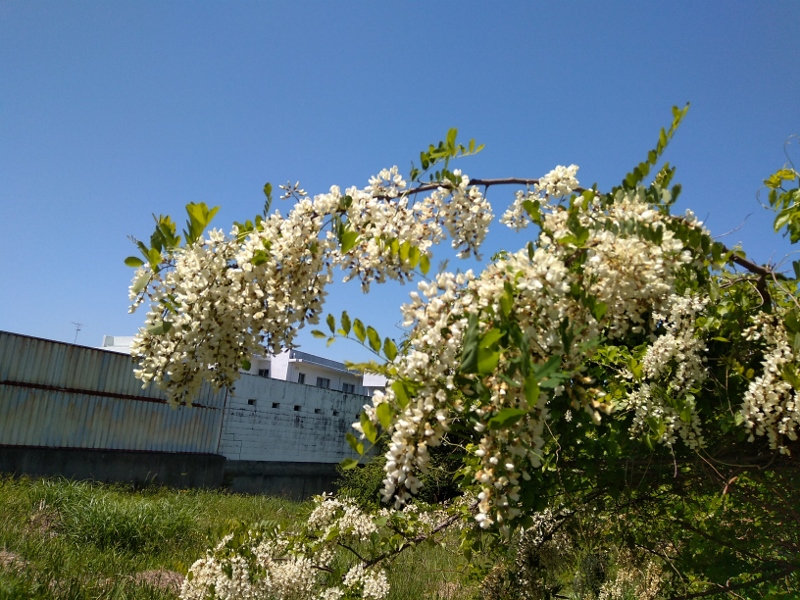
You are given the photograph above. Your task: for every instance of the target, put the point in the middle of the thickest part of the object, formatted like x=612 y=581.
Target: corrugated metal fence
x=64 y=396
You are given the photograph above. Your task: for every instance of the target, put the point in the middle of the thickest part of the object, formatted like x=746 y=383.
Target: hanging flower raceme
x=220 y=300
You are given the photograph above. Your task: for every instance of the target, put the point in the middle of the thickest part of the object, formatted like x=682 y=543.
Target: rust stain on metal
x=103 y=394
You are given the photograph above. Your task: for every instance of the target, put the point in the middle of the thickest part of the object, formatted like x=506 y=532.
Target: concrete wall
x=288 y=366
x=174 y=469
x=279 y=421
x=294 y=480
x=79 y=412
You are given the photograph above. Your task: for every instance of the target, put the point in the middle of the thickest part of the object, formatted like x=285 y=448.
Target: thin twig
x=420 y=538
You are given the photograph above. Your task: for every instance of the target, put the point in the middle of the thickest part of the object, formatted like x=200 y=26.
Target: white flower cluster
x=559 y=182
x=672 y=368
x=642 y=581
x=269 y=573
x=630 y=262
x=371 y=584
x=770 y=406
x=343 y=516
x=204 y=302
x=300 y=565
x=222 y=299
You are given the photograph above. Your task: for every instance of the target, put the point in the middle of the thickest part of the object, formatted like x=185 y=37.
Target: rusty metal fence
x=59 y=395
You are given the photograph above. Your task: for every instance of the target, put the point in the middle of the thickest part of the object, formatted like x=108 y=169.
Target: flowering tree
x=619 y=359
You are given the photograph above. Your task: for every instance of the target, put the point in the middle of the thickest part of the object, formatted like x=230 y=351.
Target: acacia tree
x=622 y=362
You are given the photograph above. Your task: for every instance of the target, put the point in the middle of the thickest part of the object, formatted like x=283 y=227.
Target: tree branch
x=486 y=183
x=420 y=538
x=720 y=589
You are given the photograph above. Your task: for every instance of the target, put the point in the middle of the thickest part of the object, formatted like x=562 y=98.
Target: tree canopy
x=622 y=364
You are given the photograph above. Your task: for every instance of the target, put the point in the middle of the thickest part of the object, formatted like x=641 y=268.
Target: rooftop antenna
x=77 y=331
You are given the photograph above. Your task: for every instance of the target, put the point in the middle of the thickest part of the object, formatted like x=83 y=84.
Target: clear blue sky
x=112 y=111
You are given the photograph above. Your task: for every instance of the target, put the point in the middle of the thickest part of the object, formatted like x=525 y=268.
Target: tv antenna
x=77 y=331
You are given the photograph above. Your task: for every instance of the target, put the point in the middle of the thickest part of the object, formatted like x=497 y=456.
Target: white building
x=294 y=366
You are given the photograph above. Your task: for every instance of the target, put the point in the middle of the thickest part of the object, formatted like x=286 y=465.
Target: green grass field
x=79 y=540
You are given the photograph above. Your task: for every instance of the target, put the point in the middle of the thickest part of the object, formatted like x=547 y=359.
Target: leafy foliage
x=623 y=367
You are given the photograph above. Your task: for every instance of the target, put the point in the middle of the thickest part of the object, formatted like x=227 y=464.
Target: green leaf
x=641 y=171
x=199 y=218
x=789 y=373
x=345 y=323
x=424 y=264
x=506 y=417
x=531 y=390
x=533 y=208
x=259 y=258
x=348 y=464
x=547 y=369
x=506 y=304
x=403 y=250
x=389 y=349
x=599 y=310
x=776 y=179
x=348 y=240
x=451 y=138
x=154 y=258
x=487 y=361
x=159 y=328
x=490 y=338
x=246 y=365
x=401 y=394
x=413 y=257
x=385 y=414
x=368 y=428
x=469 y=353
x=134 y=261
x=141 y=283
x=319 y=334
x=374 y=339
x=359 y=330
x=268 y=202
x=331 y=323
x=165 y=228
x=354 y=443
x=791 y=322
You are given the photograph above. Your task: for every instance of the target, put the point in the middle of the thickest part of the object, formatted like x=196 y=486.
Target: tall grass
x=79 y=540
x=65 y=540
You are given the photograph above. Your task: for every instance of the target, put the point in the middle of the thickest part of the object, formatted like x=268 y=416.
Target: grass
x=68 y=540
x=63 y=539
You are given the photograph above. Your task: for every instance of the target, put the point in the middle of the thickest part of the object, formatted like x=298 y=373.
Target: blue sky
x=112 y=111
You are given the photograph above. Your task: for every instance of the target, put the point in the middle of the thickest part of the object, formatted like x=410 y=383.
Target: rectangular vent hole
x=296 y=408
x=251 y=402
x=276 y=405
x=317 y=411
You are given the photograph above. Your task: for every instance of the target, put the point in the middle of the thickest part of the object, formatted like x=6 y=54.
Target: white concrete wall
x=258 y=363
x=313 y=371
x=273 y=420
x=289 y=364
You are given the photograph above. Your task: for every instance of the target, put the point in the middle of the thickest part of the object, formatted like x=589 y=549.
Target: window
x=276 y=405
x=263 y=373
x=251 y=402
x=349 y=388
x=301 y=378
x=323 y=382
x=296 y=408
